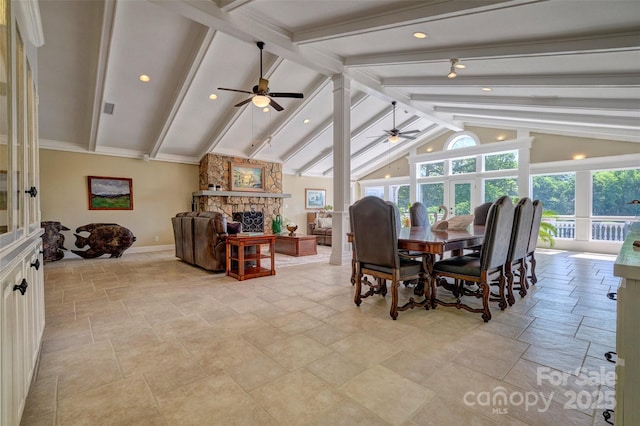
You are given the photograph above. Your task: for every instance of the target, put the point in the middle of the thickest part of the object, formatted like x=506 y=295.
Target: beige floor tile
x=437 y=412
x=41 y=401
x=363 y=348
x=80 y=368
x=548 y=357
x=335 y=369
x=296 y=351
x=255 y=372
x=326 y=334
x=165 y=364
x=126 y=401
x=349 y=413
x=389 y=395
x=554 y=341
x=297 y=398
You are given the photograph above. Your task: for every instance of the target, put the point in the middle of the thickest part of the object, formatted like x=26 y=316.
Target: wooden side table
x=298 y=245
x=244 y=271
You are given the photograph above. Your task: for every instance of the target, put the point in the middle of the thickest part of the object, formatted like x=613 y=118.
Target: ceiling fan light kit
x=262 y=97
x=455 y=64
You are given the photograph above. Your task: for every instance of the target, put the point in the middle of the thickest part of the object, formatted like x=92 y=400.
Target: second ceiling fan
x=394 y=134
x=262 y=97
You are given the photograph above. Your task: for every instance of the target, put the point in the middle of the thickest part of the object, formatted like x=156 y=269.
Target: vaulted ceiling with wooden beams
x=563 y=66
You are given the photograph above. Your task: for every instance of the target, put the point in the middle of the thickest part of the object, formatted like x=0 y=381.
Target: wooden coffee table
x=299 y=245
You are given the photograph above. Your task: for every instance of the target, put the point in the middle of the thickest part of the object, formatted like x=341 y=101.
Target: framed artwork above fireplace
x=246 y=177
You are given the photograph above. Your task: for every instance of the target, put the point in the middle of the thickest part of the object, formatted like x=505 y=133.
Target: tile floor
x=147 y=339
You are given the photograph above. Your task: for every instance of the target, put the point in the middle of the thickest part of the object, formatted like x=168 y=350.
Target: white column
x=523 y=172
x=413 y=178
x=340 y=250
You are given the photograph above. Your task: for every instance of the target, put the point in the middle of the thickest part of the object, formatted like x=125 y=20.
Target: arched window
x=462 y=140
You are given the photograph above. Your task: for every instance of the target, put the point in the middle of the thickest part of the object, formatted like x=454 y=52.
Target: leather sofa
x=200 y=239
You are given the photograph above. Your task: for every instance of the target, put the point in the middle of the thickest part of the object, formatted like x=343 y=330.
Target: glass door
x=461 y=197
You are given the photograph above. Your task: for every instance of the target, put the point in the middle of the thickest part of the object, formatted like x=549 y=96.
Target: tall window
x=431 y=195
x=612 y=190
x=400 y=195
x=557 y=192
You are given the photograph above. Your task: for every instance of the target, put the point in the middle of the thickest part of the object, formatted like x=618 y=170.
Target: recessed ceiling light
x=429 y=149
x=579 y=156
x=213 y=96
x=387 y=176
x=144 y=78
x=419 y=34
x=306 y=121
x=500 y=138
x=487 y=89
x=265 y=109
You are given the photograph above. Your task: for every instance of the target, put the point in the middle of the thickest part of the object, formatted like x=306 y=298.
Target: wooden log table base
x=298 y=245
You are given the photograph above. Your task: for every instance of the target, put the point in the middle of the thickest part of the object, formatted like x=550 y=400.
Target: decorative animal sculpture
x=52 y=241
x=104 y=238
x=440 y=224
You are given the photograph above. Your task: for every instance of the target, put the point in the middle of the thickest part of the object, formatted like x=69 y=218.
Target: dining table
x=429 y=243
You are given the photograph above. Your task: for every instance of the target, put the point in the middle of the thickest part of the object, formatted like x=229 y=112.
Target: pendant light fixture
x=455 y=64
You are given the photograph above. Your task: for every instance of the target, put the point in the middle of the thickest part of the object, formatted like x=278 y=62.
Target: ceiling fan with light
x=394 y=134
x=262 y=97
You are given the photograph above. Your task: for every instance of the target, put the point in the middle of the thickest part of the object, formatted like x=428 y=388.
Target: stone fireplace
x=216 y=169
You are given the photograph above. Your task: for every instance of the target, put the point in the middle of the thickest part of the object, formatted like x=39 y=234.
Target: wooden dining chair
x=375 y=224
x=517 y=255
x=533 y=240
x=477 y=269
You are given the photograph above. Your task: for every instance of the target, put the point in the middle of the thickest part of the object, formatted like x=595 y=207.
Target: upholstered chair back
x=418 y=214
x=375 y=224
x=535 y=226
x=497 y=235
x=480 y=213
x=522 y=220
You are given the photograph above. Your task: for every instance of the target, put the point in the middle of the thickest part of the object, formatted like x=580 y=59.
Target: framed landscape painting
x=110 y=193
x=314 y=198
x=246 y=177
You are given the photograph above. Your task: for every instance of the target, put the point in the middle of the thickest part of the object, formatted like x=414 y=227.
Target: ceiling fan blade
x=275 y=105
x=234 y=90
x=286 y=95
x=263 y=85
x=246 y=101
x=409 y=132
x=407 y=137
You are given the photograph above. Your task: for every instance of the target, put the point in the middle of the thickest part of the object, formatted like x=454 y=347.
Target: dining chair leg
x=357 y=296
x=502 y=303
x=394 y=299
x=524 y=285
x=534 y=278
x=508 y=272
x=486 y=289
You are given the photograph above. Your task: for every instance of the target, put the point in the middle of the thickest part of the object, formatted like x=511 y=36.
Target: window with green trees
x=613 y=190
x=463 y=165
x=502 y=161
x=496 y=188
x=557 y=192
x=432 y=169
x=432 y=196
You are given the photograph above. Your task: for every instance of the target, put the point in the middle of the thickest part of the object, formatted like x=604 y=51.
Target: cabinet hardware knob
x=22 y=287
x=36 y=264
x=32 y=191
